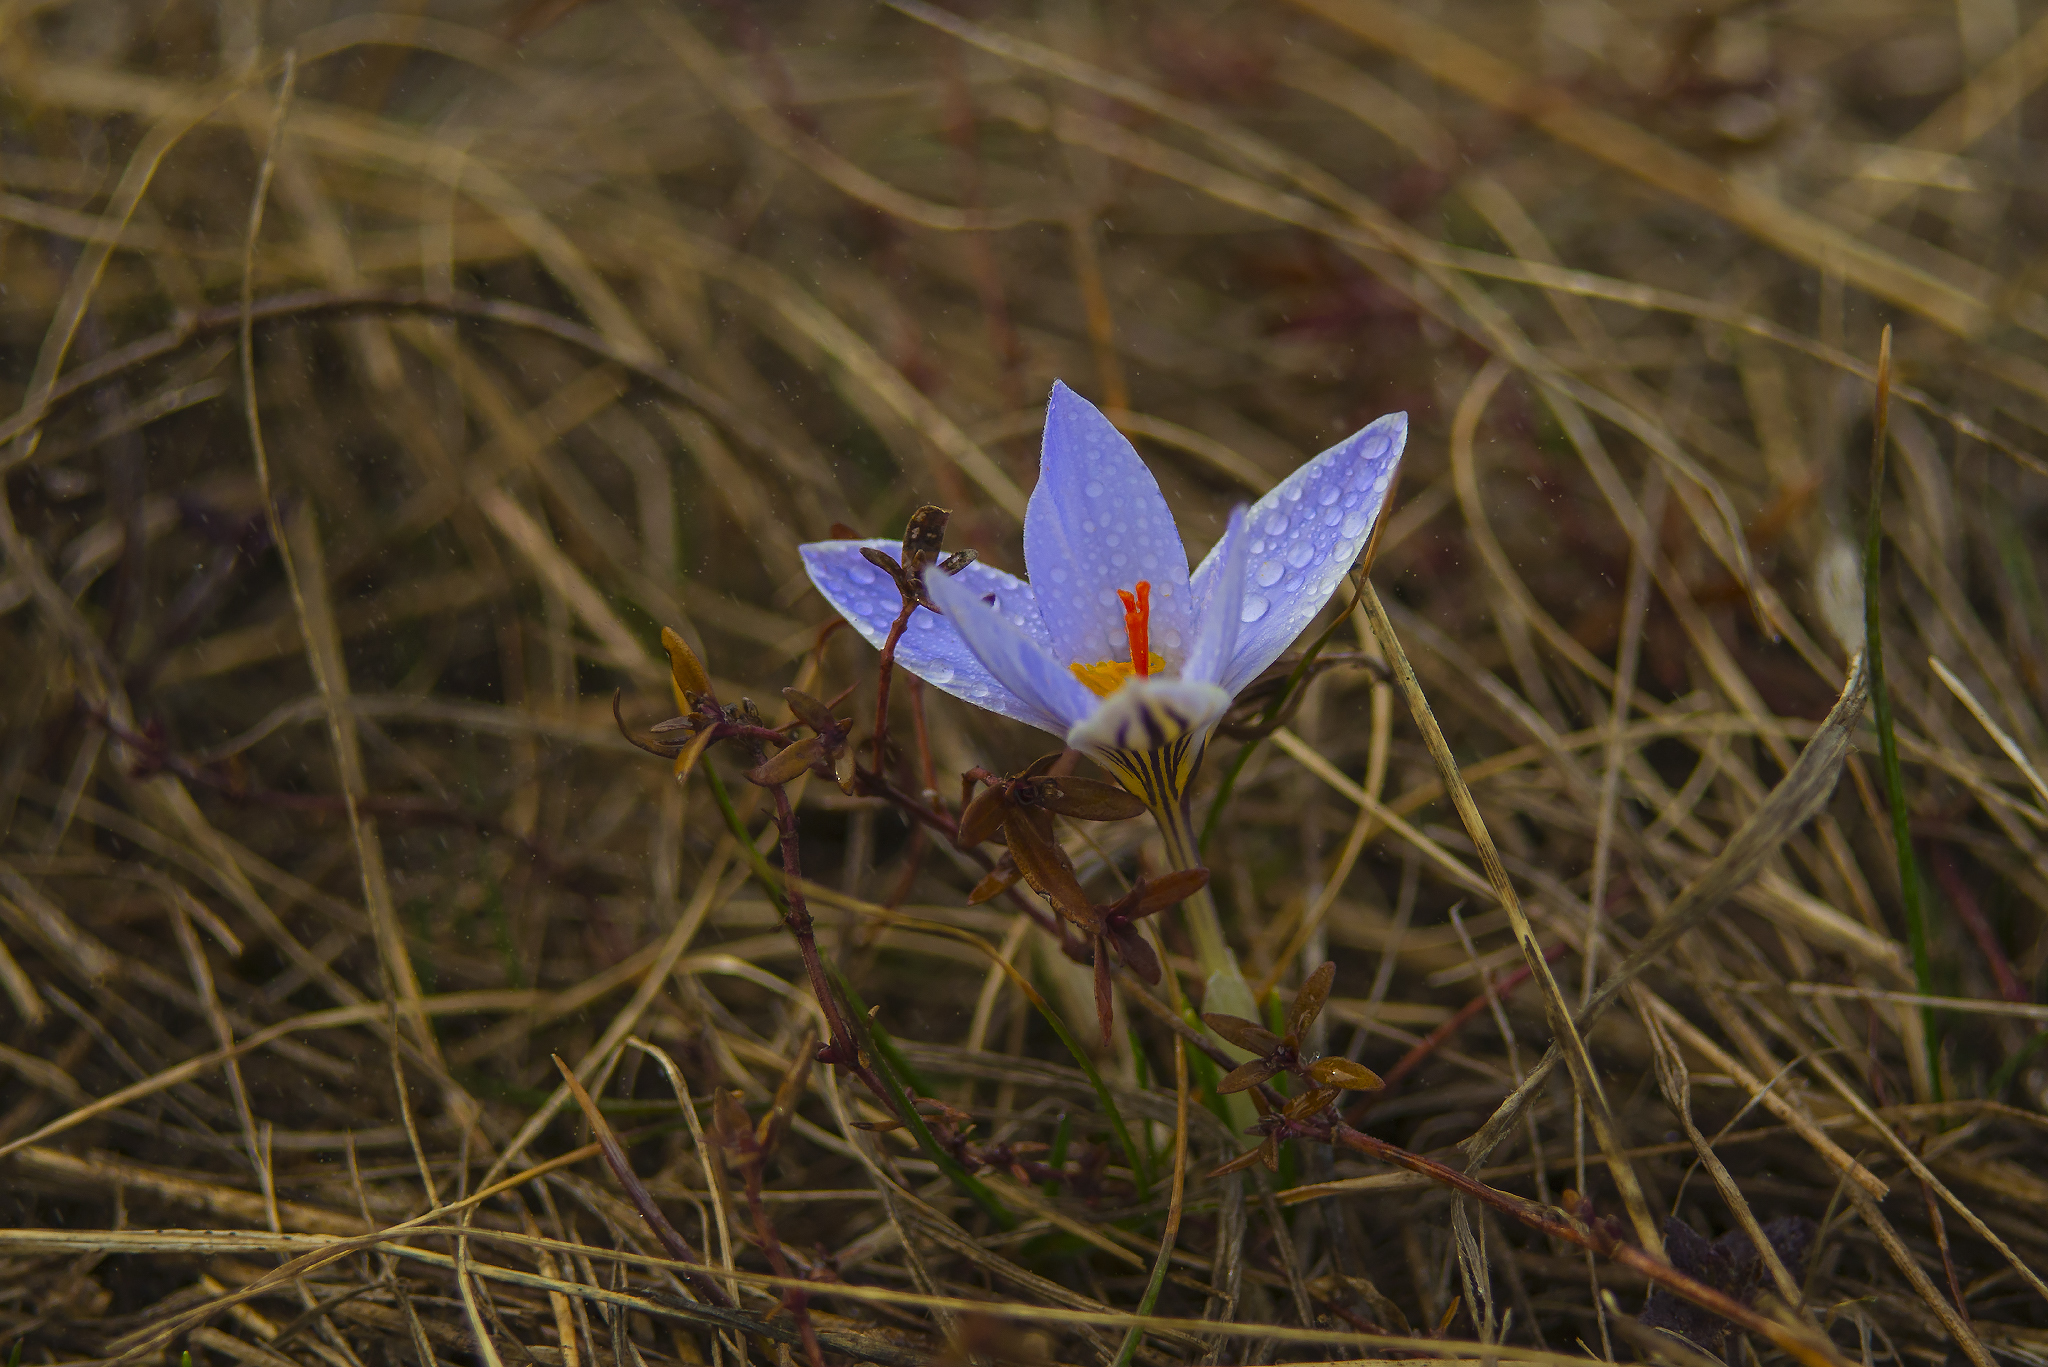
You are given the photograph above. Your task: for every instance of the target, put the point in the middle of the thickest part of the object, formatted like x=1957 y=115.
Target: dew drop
x=1354 y=523
x=1293 y=493
x=1119 y=559
x=1332 y=516
x=1269 y=574
x=939 y=674
x=1276 y=523
x=1112 y=540
x=860 y=574
x=1330 y=492
x=1171 y=640
x=1094 y=489
x=1254 y=608
x=1300 y=553
x=1258 y=547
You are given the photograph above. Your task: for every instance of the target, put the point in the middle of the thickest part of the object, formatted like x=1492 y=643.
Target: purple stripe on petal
x=930 y=648
x=1301 y=538
x=1150 y=715
x=1051 y=696
x=1217 y=614
x=1097 y=523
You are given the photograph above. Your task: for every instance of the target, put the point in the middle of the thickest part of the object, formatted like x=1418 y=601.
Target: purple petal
x=930 y=648
x=1216 y=617
x=1097 y=523
x=1301 y=538
x=1051 y=698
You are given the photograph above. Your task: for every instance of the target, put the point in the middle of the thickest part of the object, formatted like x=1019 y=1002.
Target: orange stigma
x=1138 y=622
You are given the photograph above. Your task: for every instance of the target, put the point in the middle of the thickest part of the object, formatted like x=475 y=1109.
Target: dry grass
x=570 y=322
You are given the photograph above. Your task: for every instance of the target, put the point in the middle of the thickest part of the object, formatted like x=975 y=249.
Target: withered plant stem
x=1596 y=1236
x=885 y=673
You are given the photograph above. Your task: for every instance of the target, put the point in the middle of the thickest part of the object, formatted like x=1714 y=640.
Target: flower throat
x=1105 y=677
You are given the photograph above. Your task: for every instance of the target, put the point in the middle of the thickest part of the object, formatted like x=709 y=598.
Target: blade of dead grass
x=1910 y=893
x=298 y=548
x=1565 y=1033
x=1990 y=724
x=1790 y=804
x=1464 y=66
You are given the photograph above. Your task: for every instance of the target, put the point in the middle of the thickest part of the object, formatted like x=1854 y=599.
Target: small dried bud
x=1342 y=1072
x=923 y=537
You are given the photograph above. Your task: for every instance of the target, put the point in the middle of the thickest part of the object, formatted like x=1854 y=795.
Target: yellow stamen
x=1105 y=677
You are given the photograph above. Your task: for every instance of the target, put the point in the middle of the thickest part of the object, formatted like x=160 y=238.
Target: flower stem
x=1224 y=988
x=1183 y=851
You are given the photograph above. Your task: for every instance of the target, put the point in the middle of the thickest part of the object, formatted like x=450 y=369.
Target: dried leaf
x=1167 y=890
x=1247 y=1075
x=1243 y=1161
x=996 y=882
x=685 y=671
x=730 y=1125
x=1136 y=952
x=1046 y=867
x=1247 y=1035
x=982 y=817
x=1088 y=799
x=793 y=762
x=1342 y=1072
x=1105 y=1010
x=1309 y=1103
x=809 y=710
x=1308 y=1003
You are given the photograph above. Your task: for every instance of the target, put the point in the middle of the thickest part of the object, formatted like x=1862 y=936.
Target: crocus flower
x=1111 y=644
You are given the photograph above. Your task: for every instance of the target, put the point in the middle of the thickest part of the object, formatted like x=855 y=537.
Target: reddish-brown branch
x=1960 y=896
x=1434 y=1040
x=883 y=675
x=793 y=1298
x=1599 y=1236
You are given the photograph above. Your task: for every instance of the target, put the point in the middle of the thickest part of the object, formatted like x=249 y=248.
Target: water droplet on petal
x=1300 y=553
x=1276 y=523
x=1330 y=492
x=1269 y=574
x=860 y=574
x=1094 y=489
x=1119 y=559
x=1293 y=494
x=941 y=674
x=1355 y=523
x=1254 y=608
x=1333 y=516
